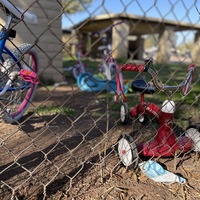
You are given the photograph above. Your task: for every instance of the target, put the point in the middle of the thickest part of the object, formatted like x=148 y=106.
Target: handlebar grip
x=188 y=81
x=132 y=67
x=192 y=66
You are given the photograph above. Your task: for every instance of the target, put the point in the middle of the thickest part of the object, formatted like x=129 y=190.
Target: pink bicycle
x=165 y=143
x=108 y=66
x=18 y=67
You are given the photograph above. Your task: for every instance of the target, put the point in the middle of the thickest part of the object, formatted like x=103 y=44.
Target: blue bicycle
x=18 y=67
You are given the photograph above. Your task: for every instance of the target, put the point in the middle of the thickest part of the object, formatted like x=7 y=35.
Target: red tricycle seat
x=142 y=86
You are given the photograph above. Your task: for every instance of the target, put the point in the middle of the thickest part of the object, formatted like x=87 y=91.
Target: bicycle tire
x=17 y=101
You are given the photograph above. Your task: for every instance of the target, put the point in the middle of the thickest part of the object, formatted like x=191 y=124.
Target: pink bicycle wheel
x=17 y=100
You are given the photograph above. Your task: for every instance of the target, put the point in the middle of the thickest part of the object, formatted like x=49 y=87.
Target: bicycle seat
x=142 y=86
x=18 y=13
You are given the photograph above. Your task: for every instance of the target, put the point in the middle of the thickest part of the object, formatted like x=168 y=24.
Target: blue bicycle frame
x=5 y=50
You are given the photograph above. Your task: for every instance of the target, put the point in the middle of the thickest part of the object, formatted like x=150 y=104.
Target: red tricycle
x=165 y=143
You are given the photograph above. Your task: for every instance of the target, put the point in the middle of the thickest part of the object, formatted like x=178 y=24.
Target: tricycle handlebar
x=184 y=85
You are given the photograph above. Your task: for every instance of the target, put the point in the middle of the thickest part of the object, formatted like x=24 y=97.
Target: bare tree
x=72 y=6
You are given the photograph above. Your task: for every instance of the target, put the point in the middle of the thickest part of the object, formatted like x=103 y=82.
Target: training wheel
x=124 y=113
x=193 y=132
x=127 y=151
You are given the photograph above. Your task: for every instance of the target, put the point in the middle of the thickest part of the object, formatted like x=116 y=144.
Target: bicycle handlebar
x=184 y=85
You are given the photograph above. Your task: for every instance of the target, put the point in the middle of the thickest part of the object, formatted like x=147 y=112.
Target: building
x=126 y=37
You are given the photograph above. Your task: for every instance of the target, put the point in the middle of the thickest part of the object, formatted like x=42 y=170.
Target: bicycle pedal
x=29 y=76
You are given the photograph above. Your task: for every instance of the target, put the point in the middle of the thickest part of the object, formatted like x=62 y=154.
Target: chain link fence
x=76 y=141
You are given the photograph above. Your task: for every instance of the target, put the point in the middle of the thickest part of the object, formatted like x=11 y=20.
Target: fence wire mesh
x=75 y=141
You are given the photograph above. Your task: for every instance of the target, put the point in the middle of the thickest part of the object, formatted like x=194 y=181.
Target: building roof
x=139 y=25
x=66 y=31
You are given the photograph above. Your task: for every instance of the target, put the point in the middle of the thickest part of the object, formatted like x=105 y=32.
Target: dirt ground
x=56 y=156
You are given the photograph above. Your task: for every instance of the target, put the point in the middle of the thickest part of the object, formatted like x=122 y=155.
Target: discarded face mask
x=157 y=173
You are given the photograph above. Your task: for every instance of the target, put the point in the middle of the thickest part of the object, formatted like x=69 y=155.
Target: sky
x=177 y=10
